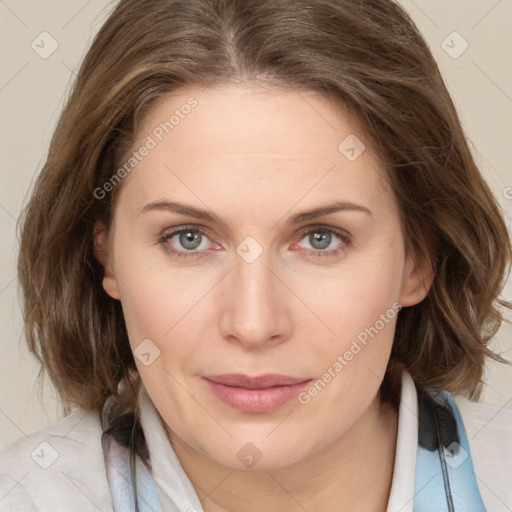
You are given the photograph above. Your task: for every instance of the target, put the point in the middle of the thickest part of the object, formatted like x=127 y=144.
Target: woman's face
x=263 y=330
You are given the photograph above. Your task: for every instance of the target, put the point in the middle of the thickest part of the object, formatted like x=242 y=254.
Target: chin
x=242 y=453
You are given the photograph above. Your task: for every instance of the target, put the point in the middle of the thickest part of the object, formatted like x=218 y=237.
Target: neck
x=352 y=474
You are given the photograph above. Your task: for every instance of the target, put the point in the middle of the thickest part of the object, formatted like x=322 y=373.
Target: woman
x=262 y=262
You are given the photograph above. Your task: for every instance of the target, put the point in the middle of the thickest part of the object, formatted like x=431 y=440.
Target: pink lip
x=255 y=394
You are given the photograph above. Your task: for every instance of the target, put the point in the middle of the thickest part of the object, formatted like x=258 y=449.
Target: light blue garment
x=444 y=476
x=117 y=464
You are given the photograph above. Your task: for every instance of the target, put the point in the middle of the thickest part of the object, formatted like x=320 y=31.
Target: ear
x=101 y=251
x=417 y=280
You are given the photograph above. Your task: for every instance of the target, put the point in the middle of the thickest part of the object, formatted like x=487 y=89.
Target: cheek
x=359 y=309
x=154 y=297
x=354 y=297
x=160 y=312
x=160 y=321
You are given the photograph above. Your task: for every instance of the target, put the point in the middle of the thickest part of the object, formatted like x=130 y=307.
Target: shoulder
x=489 y=432
x=58 y=468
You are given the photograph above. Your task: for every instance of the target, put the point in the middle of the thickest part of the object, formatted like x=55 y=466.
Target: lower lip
x=256 y=400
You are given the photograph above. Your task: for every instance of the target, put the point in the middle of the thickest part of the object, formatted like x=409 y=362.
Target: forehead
x=269 y=122
x=263 y=140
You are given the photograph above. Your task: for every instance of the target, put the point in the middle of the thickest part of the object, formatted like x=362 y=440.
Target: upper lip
x=259 y=382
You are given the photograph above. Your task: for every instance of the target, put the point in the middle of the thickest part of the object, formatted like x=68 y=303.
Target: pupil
x=324 y=240
x=188 y=238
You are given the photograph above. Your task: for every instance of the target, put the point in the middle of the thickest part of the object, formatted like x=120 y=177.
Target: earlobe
x=418 y=277
x=101 y=253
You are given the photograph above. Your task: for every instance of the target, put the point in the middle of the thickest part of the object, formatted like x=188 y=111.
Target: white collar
x=402 y=487
x=177 y=494
x=174 y=487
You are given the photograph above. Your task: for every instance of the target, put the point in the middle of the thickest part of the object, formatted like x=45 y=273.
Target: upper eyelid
x=204 y=230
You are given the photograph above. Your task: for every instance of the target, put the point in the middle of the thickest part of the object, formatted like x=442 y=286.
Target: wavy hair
x=369 y=57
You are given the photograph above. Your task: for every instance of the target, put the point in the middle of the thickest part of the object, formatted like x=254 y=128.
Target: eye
x=189 y=240
x=321 y=238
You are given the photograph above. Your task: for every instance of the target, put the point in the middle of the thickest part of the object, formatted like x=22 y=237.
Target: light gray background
x=33 y=90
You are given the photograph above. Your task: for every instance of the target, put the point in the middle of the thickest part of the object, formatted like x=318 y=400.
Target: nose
x=256 y=307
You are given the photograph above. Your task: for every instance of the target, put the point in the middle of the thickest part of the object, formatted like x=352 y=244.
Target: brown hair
x=367 y=56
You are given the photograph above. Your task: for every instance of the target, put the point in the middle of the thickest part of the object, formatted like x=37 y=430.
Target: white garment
x=75 y=478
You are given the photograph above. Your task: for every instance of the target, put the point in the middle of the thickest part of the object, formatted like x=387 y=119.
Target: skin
x=255 y=156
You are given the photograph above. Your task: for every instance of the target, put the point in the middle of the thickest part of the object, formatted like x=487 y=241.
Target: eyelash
x=343 y=235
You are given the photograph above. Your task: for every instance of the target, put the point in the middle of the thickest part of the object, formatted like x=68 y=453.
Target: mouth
x=258 y=394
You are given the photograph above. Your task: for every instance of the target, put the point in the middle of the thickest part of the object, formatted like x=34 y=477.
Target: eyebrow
x=209 y=216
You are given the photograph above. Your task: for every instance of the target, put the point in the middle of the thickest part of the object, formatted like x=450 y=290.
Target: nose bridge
x=255 y=311
x=254 y=280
